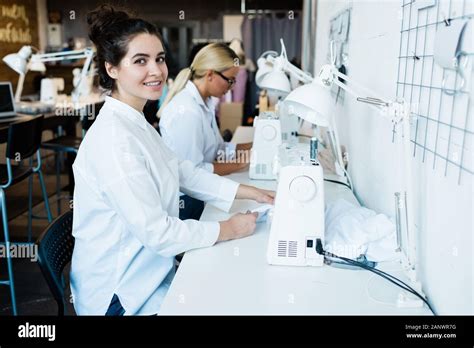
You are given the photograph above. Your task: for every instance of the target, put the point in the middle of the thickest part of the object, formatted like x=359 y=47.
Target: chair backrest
x=24 y=138
x=55 y=247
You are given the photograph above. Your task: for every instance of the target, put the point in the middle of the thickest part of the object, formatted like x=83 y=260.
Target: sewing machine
x=49 y=90
x=298 y=217
x=289 y=123
x=271 y=129
x=290 y=153
x=267 y=139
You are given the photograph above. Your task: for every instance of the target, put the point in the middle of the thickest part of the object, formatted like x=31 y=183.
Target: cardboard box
x=230 y=116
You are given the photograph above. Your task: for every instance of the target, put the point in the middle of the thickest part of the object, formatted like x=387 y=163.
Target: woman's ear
x=111 y=70
x=209 y=74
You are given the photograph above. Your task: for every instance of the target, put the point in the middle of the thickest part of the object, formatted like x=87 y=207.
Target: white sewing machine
x=50 y=88
x=267 y=139
x=290 y=123
x=298 y=217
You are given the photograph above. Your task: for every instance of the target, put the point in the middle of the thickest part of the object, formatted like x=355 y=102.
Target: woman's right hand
x=238 y=226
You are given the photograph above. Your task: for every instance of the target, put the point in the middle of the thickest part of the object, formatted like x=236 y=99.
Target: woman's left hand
x=244 y=146
x=256 y=194
x=264 y=196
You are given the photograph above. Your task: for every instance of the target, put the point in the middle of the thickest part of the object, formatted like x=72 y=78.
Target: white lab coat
x=126 y=224
x=189 y=128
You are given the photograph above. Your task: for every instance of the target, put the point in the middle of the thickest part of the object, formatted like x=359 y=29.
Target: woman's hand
x=244 y=146
x=256 y=194
x=238 y=226
x=243 y=225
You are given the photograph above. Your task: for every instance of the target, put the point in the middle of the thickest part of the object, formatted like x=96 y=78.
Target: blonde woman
x=187 y=118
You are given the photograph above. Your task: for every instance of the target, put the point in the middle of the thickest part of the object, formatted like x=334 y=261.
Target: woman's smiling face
x=142 y=73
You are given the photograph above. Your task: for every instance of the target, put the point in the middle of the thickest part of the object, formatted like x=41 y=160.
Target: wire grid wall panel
x=339 y=37
x=442 y=128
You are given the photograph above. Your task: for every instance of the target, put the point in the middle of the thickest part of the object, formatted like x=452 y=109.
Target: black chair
x=55 y=247
x=23 y=142
x=70 y=144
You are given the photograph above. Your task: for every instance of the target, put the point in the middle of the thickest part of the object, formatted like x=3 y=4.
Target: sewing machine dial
x=269 y=133
x=303 y=188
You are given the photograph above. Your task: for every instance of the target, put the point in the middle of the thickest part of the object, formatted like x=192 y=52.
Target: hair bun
x=111 y=29
x=103 y=17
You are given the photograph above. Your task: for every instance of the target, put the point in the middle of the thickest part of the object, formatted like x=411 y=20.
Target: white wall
x=231 y=27
x=443 y=208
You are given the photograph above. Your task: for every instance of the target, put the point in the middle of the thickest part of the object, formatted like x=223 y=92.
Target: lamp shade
x=18 y=61
x=312 y=102
x=276 y=82
x=264 y=67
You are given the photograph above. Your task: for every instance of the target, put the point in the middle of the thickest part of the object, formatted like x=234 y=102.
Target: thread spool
x=313 y=150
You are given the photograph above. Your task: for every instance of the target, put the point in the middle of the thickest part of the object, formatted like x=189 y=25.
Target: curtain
x=261 y=33
x=308 y=54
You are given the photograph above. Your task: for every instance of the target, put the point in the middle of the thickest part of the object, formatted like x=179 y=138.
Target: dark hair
x=111 y=30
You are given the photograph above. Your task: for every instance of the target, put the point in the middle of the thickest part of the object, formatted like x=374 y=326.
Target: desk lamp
x=20 y=62
x=313 y=101
x=23 y=61
x=272 y=73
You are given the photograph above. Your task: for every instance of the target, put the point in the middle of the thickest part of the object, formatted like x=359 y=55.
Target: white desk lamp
x=313 y=101
x=23 y=61
x=273 y=70
x=273 y=77
x=264 y=66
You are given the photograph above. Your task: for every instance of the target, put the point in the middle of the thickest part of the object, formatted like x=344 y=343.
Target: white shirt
x=189 y=128
x=126 y=224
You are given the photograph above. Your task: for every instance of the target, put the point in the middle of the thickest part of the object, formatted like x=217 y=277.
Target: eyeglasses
x=231 y=82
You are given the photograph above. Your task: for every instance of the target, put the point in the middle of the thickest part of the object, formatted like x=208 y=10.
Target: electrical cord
x=303 y=135
x=338 y=182
x=387 y=276
x=348 y=178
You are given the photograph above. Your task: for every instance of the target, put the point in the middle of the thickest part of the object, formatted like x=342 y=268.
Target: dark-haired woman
x=126 y=224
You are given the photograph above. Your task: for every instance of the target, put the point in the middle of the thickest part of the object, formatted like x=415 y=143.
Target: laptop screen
x=7 y=102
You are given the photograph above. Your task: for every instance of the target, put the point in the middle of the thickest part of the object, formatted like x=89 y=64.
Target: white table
x=243 y=134
x=234 y=278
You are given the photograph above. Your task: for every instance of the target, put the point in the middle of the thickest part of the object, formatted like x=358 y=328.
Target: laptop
x=7 y=102
x=9 y=109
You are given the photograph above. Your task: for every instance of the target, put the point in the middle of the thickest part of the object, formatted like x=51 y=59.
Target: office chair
x=69 y=144
x=23 y=142
x=55 y=247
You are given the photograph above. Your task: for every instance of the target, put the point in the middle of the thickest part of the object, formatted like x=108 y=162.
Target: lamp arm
x=55 y=59
x=89 y=54
x=19 y=88
x=399 y=114
x=49 y=57
x=298 y=73
x=283 y=49
x=288 y=67
x=329 y=74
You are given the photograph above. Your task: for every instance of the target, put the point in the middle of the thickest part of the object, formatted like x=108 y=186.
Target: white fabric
x=189 y=128
x=126 y=224
x=353 y=231
x=263 y=212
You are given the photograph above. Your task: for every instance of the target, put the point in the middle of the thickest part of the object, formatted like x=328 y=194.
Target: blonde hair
x=215 y=56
